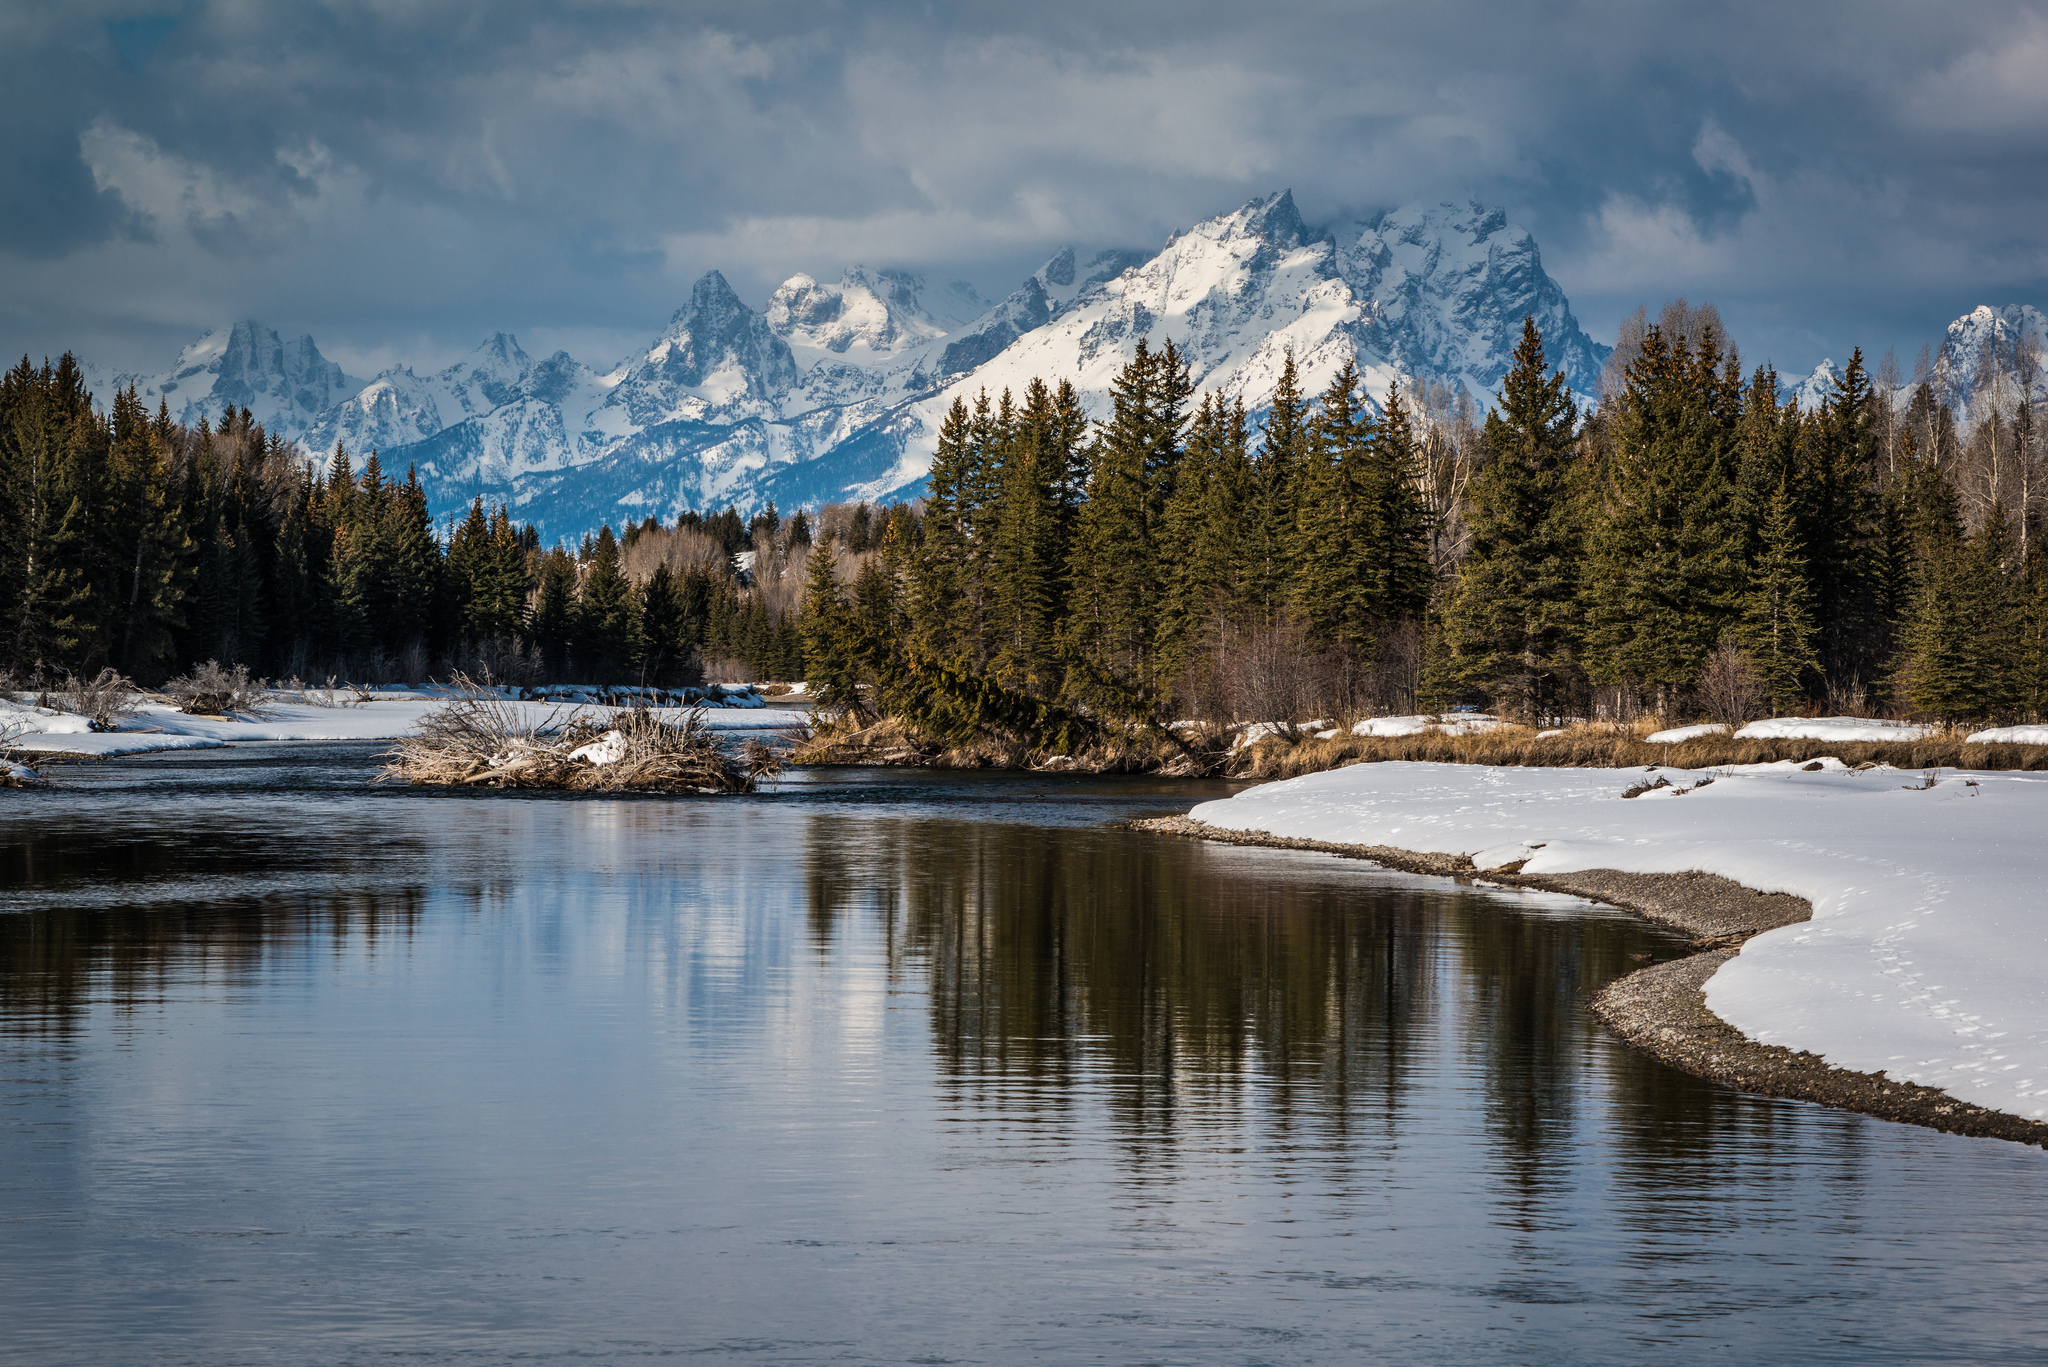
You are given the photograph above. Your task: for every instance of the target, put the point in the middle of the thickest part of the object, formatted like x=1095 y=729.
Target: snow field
x=1838 y=729
x=1927 y=956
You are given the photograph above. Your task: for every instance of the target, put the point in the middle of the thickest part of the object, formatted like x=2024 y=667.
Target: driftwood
x=479 y=740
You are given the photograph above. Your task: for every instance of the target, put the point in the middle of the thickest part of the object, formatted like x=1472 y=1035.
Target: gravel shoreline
x=1662 y=1010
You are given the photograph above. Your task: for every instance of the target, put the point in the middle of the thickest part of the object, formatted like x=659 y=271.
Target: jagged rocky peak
x=1813 y=391
x=1449 y=285
x=717 y=358
x=876 y=312
x=285 y=385
x=494 y=371
x=1981 y=352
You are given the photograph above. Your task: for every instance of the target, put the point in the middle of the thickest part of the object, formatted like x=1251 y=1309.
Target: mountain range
x=835 y=392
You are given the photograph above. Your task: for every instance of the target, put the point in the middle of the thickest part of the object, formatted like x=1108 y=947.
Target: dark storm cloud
x=400 y=177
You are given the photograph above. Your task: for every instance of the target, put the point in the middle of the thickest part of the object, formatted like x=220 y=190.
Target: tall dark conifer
x=1513 y=626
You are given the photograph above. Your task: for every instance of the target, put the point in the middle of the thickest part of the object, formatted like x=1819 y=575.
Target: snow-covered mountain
x=287 y=386
x=400 y=407
x=836 y=391
x=1978 y=364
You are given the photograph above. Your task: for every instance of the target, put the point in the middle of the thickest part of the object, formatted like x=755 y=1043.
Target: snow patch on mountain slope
x=400 y=407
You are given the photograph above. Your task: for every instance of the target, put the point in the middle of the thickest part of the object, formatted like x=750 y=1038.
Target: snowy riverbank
x=1927 y=955
x=156 y=726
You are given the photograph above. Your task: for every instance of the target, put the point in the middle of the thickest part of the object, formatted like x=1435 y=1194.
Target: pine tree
x=664 y=656
x=832 y=679
x=1021 y=570
x=1116 y=553
x=1270 y=519
x=1201 y=550
x=1966 y=639
x=153 y=546
x=1841 y=529
x=1776 y=632
x=1513 y=624
x=1333 y=517
x=1666 y=571
x=48 y=602
x=941 y=566
x=413 y=562
x=607 y=614
x=551 y=629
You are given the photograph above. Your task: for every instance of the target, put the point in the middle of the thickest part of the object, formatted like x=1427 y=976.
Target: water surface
x=885 y=1067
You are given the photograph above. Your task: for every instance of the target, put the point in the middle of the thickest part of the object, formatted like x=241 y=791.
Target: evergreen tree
x=1334 y=530
x=152 y=545
x=1115 y=561
x=1201 y=557
x=1776 y=632
x=1841 y=530
x=413 y=563
x=1396 y=572
x=608 y=614
x=1270 y=519
x=1022 y=572
x=1666 y=569
x=1513 y=624
x=552 y=627
x=664 y=654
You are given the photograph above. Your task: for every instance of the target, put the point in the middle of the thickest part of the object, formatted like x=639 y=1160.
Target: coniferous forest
x=142 y=545
x=1693 y=543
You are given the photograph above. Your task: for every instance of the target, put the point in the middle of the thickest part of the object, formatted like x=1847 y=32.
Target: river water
x=887 y=1067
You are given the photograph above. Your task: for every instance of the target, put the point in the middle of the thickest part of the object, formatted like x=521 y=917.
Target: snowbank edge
x=1662 y=1010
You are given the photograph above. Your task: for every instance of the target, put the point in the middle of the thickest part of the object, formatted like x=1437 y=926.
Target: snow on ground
x=2009 y=735
x=1450 y=724
x=1685 y=733
x=1838 y=729
x=159 y=727
x=1927 y=957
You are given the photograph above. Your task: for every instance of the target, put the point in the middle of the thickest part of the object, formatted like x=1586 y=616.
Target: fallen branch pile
x=483 y=741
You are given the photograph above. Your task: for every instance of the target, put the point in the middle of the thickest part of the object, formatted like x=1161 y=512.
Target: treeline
x=1693 y=543
x=1699 y=542
x=1156 y=562
x=135 y=542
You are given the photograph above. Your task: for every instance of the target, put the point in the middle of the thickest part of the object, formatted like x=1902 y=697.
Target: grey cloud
x=401 y=179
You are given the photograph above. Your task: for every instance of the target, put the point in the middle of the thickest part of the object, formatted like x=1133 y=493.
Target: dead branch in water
x=480 y=740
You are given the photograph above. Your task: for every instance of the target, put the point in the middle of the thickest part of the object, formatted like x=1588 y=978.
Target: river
x=889 y=1067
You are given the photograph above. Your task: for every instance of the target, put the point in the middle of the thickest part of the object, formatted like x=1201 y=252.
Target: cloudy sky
x=399 y=177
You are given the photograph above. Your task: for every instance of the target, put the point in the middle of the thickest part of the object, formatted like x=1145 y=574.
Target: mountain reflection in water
x=888 y=1067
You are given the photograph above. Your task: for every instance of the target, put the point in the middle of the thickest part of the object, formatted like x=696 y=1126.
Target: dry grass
x=890 y=742
x=1599 y=747
x=483 y=741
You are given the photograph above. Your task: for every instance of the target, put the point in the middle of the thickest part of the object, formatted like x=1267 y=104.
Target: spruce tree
x=1202 y=543
x=1270 y=519
x=1776 y=632
x=608 y=614
x=1022 y=575
x=1842 y=530
x=1396 y=572
x=1116 y=552
x=153 y=545
x=1334 y=531
x=1513 y=624
x=1665 y=565
x=552 y=627
x=663 y=653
